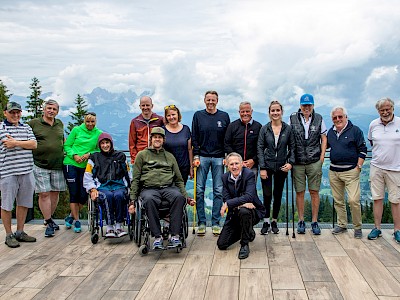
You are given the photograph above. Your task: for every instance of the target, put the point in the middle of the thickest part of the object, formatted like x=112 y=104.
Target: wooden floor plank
x=395 y=272
x=172 y=257
x=59 y=288
x=322 y=291
x=290 y=295
x=384 y=251
x=118 y=295
x=160 y=282
x=226 y=262
x=328 y=245
x=258 y=257
x=16 y=273
x=311 y=264
x=192 y=281
x=222 y=287
x=20 y=294
x=348 y=279
x=255 y=284
x=387 y=234
x=204 y=245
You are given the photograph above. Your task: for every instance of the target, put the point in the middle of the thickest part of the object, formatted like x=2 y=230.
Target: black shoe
x=274 y=227
x=252 y=235
x=265 y=229
x=244 y=252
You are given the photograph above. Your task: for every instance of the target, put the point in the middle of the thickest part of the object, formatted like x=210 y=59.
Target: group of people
x=165 y=153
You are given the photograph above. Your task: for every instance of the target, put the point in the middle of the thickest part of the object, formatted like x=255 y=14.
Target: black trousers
x=238 y=227
x=279 y=182
x=151 y=202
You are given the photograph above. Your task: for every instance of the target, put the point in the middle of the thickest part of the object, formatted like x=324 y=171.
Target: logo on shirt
x=312 y=128
x=219 y=123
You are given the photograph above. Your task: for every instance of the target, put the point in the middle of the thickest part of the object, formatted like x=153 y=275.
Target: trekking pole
x=293 y=235
x=195 y=198
x=287 y=206
x=333 y=213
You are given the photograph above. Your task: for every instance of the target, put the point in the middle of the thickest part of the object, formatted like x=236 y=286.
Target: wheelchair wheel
x=143 y=250
x=138 y=227
x=94 y=238
x=131 y=227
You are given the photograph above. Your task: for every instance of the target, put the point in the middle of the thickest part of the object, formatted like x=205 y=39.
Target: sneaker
x=357 y=233
x=201 y=230
x=265 y=229
x=11 y=241
x=274 y=227
x=77 y=227
x=111 y=234
x=216 y=230
x=165 y=233
x=68 y=222
x=120 y=232
x=339 y=230
x=301 y=227
x=174 y=242
x=158 y=244
x=396 y=236
x=23 y=237
x=55 y=226
x=49 y=231
x=315 y=228
x=374 y=234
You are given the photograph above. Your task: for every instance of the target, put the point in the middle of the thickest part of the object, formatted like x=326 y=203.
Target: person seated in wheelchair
x=107 y=181
x=156 y=177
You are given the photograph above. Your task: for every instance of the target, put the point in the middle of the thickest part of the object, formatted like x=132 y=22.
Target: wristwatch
x=359 y=166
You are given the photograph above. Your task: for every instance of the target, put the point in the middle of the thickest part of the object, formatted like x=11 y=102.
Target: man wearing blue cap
x=309 y=131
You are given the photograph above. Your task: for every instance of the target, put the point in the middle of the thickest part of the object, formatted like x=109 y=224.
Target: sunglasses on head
x=90 y=113
x=169 y=106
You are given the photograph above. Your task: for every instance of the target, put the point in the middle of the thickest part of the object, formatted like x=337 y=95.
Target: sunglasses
x=169 y=106
x=90 y=113
x=337 y=117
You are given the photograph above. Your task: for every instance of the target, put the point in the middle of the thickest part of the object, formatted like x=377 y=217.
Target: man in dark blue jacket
x=348 y=151
x=244 y=208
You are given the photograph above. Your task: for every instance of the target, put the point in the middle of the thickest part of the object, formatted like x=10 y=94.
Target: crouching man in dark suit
x=244 y=208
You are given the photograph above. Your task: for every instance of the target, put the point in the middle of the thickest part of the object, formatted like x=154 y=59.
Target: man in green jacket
x=156 y=177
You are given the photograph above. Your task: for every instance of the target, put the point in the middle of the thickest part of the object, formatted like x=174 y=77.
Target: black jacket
x=235 y=139
x=243 y=191
x=271 y=157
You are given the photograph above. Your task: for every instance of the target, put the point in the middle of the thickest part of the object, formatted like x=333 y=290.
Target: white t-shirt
x=385 y=144
x=306 y=125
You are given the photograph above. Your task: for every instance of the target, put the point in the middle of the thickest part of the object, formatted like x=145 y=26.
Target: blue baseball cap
x=307 y=99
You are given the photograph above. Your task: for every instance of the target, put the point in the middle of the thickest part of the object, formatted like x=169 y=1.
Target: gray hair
x=338 y=108
x=51 y=102
x=244 y=103
x=233 y=154
x=382 y=101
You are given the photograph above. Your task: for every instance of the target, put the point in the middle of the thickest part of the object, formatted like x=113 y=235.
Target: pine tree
x=4 y=97
x=78 y=116
x=35 y=104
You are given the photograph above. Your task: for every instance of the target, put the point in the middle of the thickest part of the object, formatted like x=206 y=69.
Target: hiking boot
x=11 y=241
x=216 y=230
x=265 y=229
x=120 y=232
x=77 y=227
x=339 y=230
x=174 y=242
x=111 y=233
x=68 y=222
x=301 y=227
x=23 y=237
x=396 y=236
x=357 y=233
x=244 y=252
x=315 y=228
x=374 y=234
x=158 y=244
x=274 y=227
x=201 y=230
x=49 y=232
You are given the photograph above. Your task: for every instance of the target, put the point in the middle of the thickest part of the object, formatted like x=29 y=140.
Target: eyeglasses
x=169 y=106
x=337 y=117
x=90 y=113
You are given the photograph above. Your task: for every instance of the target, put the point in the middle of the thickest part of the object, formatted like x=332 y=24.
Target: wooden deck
x=68 y=266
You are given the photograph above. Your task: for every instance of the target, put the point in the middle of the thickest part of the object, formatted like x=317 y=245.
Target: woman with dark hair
x=178 y=141
x=275 y=151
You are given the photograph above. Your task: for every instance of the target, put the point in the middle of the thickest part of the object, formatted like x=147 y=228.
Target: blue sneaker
x=374 y=234
x=68 y=222
x=49 y=231
x=301 y=227
x=77 y=228
x=158 y=244
x=55 y=226
x=174 y=242
x=315 y=228
x=396 y=236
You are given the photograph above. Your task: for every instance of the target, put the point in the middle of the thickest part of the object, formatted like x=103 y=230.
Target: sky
x=344 y=52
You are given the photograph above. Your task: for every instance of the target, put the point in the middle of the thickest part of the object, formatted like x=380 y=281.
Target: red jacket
x=139 y=133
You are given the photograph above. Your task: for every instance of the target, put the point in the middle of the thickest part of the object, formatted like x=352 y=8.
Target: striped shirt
x=15 y=161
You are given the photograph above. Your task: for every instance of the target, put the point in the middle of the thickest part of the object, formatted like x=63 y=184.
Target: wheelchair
x=96 y=221
x=142 y=234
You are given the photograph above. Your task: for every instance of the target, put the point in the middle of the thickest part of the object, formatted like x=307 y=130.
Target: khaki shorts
x=311 y=172
x=380 y=179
